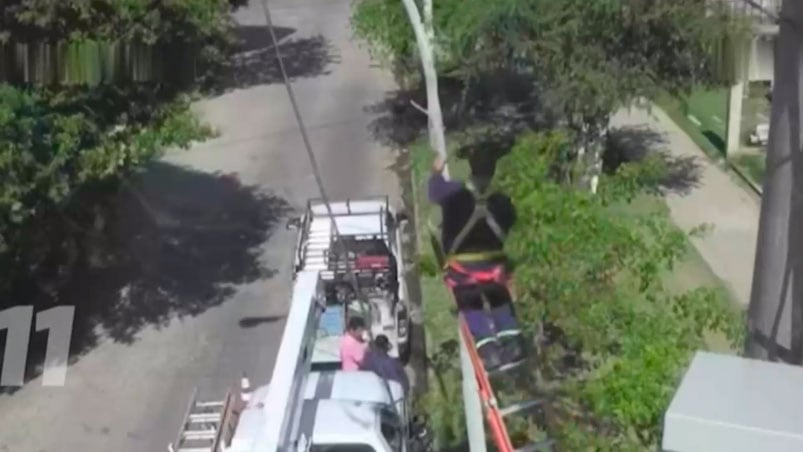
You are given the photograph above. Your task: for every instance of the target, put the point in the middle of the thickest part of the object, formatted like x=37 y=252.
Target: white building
x=758 y=59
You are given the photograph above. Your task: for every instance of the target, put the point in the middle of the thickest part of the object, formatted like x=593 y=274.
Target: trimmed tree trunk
x=775 y=315
x=597 y=143
x=425 y=38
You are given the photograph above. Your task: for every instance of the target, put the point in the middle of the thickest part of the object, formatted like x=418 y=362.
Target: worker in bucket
x=353 y=345
x=474 y=226
x=379 y=361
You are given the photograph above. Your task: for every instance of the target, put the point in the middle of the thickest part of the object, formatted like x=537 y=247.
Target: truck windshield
x=341 y=448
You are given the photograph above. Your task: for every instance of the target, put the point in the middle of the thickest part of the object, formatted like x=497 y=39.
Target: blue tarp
x=333 y=321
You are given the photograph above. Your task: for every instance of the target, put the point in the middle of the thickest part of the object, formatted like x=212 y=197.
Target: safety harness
x=480 y=213
x=460 y=268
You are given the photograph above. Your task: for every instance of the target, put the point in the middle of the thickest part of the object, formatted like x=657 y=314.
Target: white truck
x=301 y=409
x=366 y=238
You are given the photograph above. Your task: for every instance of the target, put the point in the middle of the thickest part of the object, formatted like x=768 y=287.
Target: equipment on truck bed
x=365 y=237
x=301 y=409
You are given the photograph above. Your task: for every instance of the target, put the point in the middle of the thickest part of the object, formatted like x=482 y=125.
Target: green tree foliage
x=87 y=33
x=56 y=148
x=64 y=151
x=128 y=20
x=588 y=57
x=593 y=273
x=589 y=269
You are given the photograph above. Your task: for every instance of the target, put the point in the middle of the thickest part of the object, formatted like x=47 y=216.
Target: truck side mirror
x=418 y=425
x=401 y=217
x=293 y=223
x=420 y=434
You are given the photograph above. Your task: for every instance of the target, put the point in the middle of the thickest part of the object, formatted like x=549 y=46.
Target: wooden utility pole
x=775 y=314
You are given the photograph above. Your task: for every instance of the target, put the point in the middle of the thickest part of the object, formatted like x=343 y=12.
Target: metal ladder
x=496 y=415
x=318 y=242
x=209 y=425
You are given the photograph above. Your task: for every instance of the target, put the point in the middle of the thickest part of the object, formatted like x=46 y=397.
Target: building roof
x=731 y=404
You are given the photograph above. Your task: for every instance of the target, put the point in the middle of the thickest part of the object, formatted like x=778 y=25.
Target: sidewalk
x=729 y=247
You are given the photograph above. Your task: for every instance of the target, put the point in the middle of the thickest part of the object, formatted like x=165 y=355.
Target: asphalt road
x=129 y=392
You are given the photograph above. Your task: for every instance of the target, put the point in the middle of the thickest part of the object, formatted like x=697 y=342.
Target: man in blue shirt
x=474 y=225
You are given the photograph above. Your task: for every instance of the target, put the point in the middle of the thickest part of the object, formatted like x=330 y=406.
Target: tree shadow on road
x=254 y=62
x=176 y=242
x=633 y=144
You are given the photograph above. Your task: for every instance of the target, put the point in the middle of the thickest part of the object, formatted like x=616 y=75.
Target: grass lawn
x=702 y=116
x=709 y=107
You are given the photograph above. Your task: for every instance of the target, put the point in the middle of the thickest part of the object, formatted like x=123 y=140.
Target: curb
x=747 y=179
x=414 y=193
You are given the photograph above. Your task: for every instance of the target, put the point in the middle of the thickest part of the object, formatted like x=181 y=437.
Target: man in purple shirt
x=381 y=363
x=476 y=267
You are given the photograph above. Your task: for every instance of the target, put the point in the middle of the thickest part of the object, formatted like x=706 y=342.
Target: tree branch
x=419 y=108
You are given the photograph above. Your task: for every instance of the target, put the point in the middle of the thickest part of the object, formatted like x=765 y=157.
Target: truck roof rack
x=362 y=206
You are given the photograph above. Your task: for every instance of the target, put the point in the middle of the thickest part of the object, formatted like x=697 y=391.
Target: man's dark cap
x=356 y=323
x=381 y=342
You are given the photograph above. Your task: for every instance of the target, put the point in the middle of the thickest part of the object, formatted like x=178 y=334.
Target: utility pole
x=775 y=314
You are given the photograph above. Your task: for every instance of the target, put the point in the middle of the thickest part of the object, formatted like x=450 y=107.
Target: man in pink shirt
x=353 y=346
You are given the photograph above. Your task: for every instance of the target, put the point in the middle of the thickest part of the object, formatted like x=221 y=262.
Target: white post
x=475 y=425
x=424 y=36
x=734 y=127
x=741 y=58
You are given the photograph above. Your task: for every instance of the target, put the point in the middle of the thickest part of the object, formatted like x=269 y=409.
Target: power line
x=364 y=304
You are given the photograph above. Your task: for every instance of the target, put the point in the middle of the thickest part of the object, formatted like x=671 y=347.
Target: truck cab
x=341 y=426
x=354 y=408
x=341 y=410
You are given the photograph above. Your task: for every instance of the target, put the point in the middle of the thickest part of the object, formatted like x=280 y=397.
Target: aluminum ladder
x=497 y=416
x=209 y=425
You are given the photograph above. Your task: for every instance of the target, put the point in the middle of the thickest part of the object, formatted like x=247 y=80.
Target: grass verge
x=444 y=400
x=752 y=166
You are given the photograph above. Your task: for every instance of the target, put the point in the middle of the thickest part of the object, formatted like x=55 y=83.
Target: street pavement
x=129 y=392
